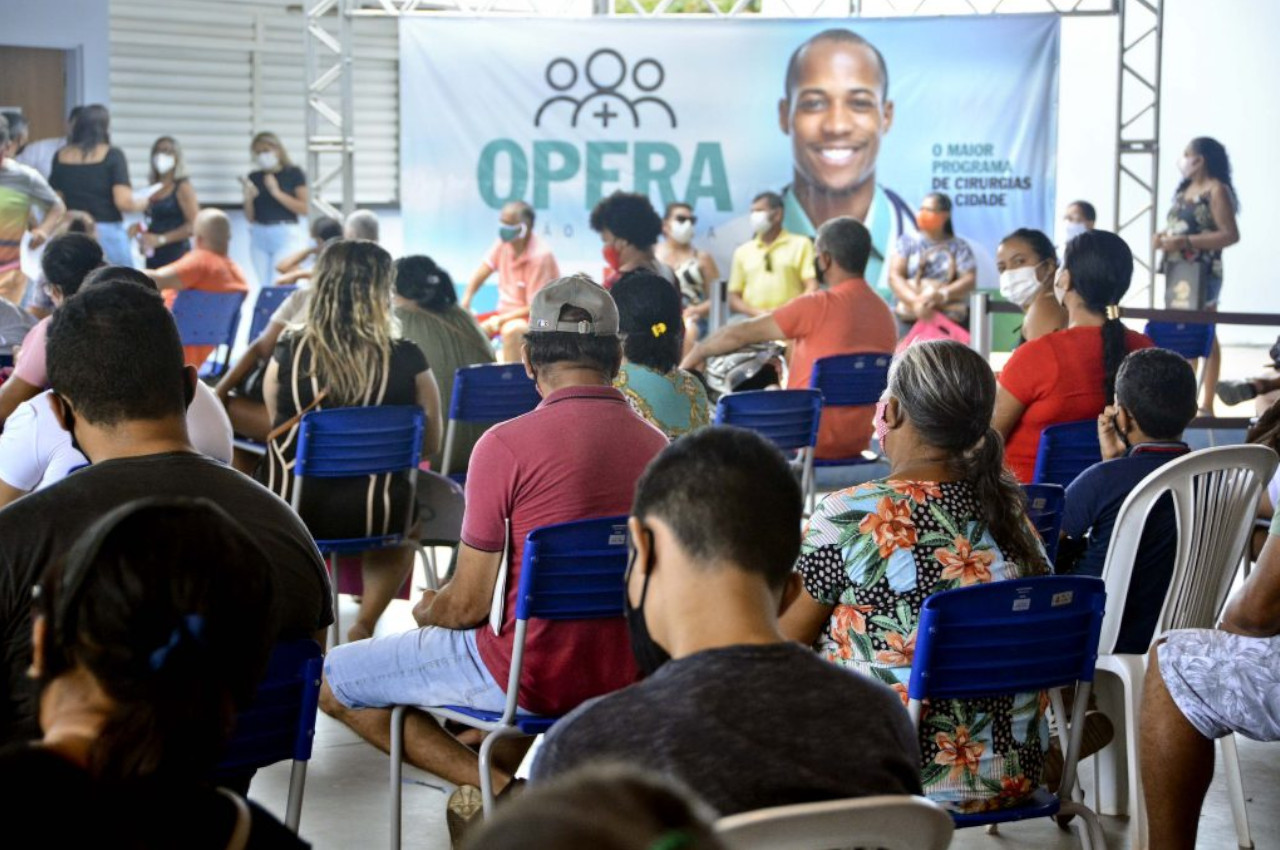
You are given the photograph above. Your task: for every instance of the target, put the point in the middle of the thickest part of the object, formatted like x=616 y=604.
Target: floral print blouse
x=1187 y=217
x=876 y=552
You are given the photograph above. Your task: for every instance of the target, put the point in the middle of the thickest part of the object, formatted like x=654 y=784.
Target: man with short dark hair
x=846 y=317
x=121 y=390
x=576 y=456
x=773 y=267
x=40 y=153
x=1141 y=432
x=524 y=264
x=715 y=531
x=1080 y=216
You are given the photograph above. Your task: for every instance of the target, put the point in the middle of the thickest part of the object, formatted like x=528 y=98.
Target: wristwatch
x=162 y=239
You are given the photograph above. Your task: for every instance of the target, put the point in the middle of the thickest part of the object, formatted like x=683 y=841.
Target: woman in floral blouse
x=947 y=516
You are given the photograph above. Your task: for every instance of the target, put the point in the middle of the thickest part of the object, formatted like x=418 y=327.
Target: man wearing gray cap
x=577 y=455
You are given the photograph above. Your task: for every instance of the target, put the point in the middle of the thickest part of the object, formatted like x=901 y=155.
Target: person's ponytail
x=1003 y=504
x=1114 y=350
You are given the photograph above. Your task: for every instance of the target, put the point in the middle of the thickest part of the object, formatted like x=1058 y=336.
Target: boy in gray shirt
x=745 y=718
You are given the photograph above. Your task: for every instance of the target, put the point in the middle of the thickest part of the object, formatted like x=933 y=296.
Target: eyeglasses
x=681 y=219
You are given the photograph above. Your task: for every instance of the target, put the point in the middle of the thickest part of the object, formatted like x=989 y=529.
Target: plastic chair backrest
x=492 y=392
x=269 y=300
x=207 y=318
x=1215 y=495
x=281 y=722
x=1045 y=504
x=1007 y=637
x=1183 y=338
x=350 y=441
x=889 y=821
x=1065 y=451
x=849 y=380
x=787 y=417
x=574 y=570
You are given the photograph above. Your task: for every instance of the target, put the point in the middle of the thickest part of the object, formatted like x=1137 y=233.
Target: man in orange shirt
x=206 y=268
x=844 y=317
x=524 y=265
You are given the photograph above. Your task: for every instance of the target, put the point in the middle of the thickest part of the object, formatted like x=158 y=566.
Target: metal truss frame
x=329 y=62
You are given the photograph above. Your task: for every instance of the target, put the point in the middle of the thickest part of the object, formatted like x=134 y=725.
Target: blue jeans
x=423 y=667
x=268 y=244
x=114 y=239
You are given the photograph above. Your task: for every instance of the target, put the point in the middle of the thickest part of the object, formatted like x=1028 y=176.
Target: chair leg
x=337 y=616
x=486 y=776
x=297 y=783
x=1235 y=790
x=397 y=759
x=429 y=566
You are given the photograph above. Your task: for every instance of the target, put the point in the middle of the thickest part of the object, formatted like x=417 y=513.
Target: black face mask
x=648 y=654
x=71 y=426
x=819 y=273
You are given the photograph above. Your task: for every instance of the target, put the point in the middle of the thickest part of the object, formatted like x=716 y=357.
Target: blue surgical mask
x=510 y=232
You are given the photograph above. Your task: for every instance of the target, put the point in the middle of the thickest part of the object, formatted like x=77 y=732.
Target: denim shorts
x=422 y=667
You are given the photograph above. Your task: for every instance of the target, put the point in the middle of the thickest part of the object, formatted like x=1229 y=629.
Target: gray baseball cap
x=576 y=291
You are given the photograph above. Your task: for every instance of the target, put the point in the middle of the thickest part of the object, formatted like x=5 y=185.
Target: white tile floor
x=346 y=796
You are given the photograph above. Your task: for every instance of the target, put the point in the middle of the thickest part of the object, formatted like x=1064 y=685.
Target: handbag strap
x=285 y=426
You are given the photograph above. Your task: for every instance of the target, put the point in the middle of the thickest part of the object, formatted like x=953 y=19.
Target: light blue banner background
x=466 y=83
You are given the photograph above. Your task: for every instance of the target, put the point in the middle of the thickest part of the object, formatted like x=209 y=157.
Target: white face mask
x=1059 y=291
x=1075 y=228
x=760 y=221
x=1186 y=165
x=682 y=232
x=267 y=160
x=1019 y=286
x=164 y=162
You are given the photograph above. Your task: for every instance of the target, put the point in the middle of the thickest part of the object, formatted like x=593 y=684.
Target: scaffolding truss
x=329 y=41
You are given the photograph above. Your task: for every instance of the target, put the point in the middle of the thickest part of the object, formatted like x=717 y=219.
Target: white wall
x=80 y=25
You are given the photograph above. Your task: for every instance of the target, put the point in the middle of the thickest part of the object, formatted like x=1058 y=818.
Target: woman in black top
x=275 y=194
x=148 y=637
x=347 y=355
x=171 y=212
x=91 y=175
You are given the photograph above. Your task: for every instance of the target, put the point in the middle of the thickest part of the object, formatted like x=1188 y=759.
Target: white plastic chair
x=890 y=821
x=1215 y=494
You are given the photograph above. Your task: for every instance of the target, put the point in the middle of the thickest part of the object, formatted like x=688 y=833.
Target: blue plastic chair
x=348 y=442
x=209 y=318
x=269 y=300
x=788 y=418
x=570 y=571
x=1065 y=451
x=281 y=722
x=1011 y=637
x=1183 y=338
x=1045 y=506
x=486 y=393
x=850 y=380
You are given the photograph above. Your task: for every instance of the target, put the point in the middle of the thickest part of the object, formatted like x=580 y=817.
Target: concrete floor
x=346 y=793
x=346 y=796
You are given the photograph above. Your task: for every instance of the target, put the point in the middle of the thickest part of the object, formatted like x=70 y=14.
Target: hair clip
x=1113 y=311
x=190 y=629
x=433 y=279
x=676 y=839
x=659 y=329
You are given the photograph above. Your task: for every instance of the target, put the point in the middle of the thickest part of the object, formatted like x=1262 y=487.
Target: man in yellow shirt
x=773 y=268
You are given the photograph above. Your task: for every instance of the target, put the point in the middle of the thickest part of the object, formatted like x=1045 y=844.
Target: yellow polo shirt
x=768 y=276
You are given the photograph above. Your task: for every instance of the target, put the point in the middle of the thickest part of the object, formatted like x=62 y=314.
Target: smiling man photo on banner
x=836 y=108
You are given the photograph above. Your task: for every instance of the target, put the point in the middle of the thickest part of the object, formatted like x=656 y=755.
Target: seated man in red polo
x=578 y=455
x=845 y=316
x=206 y=268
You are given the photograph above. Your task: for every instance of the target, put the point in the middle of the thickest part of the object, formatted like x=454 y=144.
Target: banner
x=849 y=116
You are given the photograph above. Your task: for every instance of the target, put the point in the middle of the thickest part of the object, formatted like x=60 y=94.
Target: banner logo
x=605 y=71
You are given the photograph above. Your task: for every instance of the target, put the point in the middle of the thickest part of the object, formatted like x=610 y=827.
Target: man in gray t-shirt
x=743 y=717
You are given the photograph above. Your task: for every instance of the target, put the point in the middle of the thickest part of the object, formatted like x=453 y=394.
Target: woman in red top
x=1070 y=374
